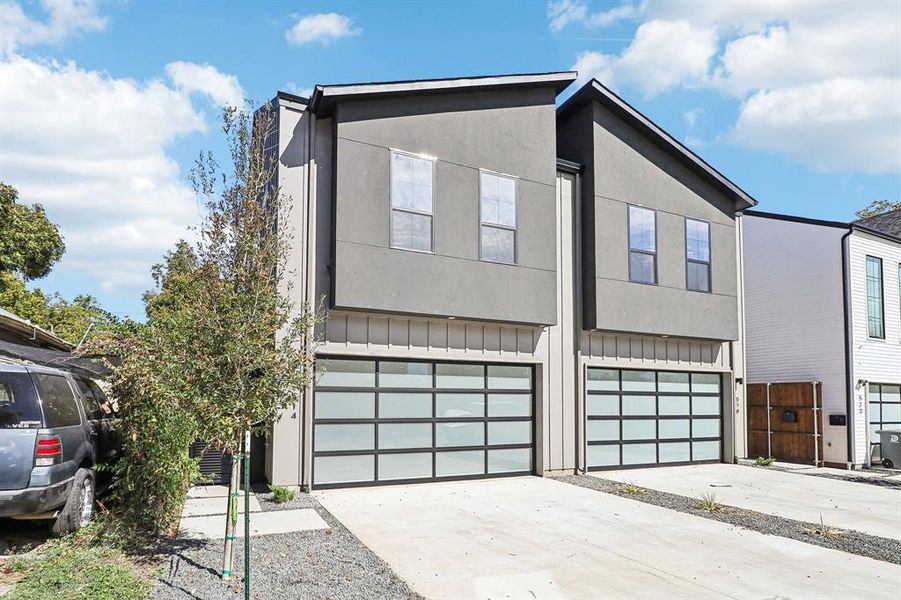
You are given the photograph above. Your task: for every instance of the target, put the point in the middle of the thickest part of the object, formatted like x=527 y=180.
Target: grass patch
x=825 y=531
x=84 y=565
x=281 y=494
x=708 y=503
x=630 y=489
x=765 y=461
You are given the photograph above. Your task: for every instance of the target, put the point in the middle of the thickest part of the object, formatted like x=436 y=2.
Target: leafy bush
x=825 y=531
x=765 y=461
x=281 y=494
x=630 y=489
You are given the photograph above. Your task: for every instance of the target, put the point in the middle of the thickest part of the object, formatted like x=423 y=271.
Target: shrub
x=709 y=504
x=281 y=494
x=765 y=461
x=630 y=489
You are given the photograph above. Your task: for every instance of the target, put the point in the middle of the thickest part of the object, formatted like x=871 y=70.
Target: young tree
x=877 y=207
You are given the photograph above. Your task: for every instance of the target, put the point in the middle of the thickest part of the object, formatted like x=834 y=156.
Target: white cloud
x=223 y=90
x=65 y=18
x=693 y=115
x=100 y=164
x=323 y=28
x=297 y=90
x=839 y=124
x=773 y=53
x=563 y=12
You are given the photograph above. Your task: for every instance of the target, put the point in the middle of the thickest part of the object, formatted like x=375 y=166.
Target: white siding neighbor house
x=823 y=303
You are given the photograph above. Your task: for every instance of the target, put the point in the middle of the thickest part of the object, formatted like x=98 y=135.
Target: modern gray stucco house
x=513 y=288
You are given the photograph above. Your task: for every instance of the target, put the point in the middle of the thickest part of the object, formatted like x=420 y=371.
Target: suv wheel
x=79 y=506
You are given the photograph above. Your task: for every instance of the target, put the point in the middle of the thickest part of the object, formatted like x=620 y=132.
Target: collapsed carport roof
x=54 y=358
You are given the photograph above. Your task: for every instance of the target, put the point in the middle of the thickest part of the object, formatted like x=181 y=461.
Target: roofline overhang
x=25 y=328
x=324 y=97
x=849 y=227
x=875 y=232
x=594 y=90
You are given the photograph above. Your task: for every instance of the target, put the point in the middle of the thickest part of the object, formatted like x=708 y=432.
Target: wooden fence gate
x=785 y=421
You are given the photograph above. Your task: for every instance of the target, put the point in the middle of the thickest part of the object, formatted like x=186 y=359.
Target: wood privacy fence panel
x=794 y=431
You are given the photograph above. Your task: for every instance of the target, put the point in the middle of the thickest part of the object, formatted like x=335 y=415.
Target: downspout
x=769 y=445
x=816 y=433
x=849 y=392
x=310 y=303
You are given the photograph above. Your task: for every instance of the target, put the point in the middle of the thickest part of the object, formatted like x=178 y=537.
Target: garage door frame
x=434 y=390
x=657 y=417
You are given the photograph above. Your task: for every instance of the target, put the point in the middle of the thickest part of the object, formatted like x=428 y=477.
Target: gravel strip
x=854 y=542
x=329 y=563
x=881 y=480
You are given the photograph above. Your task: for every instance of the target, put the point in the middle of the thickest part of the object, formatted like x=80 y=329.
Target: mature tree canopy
x=29 y=243
x=877 y=207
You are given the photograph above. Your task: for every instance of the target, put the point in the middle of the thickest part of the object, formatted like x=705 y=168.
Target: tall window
x=642 y=245
x=411 y=202
x=875 y=308
x=697 y=255
x=497 y=235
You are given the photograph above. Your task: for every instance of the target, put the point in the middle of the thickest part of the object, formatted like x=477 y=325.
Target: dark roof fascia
x=291 y=97
x=875 y=232
x=324 y=96
x=568 y=166
x=794 y=219
x=595 y=90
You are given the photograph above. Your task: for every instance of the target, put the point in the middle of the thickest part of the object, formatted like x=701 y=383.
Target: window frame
x=514 y=229
x=629 y=208
x=881 y=296
x=708 y=262
x=392 y=208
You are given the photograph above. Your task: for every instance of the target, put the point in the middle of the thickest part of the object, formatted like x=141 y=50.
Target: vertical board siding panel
x=524 y=341
x=492 y=338
x=438 y=335
x=456 y=336
x=475 y=338
x=336 y=329
x=399 y=332
x=378 y=331
x=508 y=340
x=357 y=330
x=623 y=347
x=636 y=348
x=419 y=334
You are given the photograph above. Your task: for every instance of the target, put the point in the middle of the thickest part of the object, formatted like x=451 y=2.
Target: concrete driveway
x=538 y=538
x=846 y=504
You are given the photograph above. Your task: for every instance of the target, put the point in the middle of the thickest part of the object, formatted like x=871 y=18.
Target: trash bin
x=890 y=447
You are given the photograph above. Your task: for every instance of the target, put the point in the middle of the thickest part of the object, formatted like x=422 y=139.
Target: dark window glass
x=642 y=245
x=697 y=255
x=875 y=308
x=60 y=409
x=19 y=406
x=96 y=406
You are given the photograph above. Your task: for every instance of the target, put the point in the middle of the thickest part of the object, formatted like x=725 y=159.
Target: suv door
x=99 y=413
x=20 y=420
x=63 y=418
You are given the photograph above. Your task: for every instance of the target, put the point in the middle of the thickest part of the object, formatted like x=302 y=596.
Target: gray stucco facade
x=566 y=309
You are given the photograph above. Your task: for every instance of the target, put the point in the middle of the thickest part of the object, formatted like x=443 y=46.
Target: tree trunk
x=231 y=519
x=246 y=468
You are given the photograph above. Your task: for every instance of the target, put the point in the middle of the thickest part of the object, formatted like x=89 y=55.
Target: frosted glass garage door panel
x=639 y=454
x=705 y=450
x=405 y=374
x=603 y=456
x=459 y=434
x=639 y=429
x=705 y=428
x=639 y=405
x=705 y=383
x=509 y=432
x=404 y=406
x=603 y=431
x=456 y=406
x=639 y=381
x=602 y=406
x=460 y=376
x=705 y=405
x=405 y=466
x=674 y=429
x=466 y=462
x=343 y=469
x=509 y=405
x=345 y=373
x=344 y=405
x=674 y=452
x=405 y=435
x=510 y=461
x=674 y=406
x=603 y=379
x=509 y=378
x=344 y=437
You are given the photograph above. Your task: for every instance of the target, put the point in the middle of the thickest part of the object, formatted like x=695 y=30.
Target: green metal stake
x=247 y=515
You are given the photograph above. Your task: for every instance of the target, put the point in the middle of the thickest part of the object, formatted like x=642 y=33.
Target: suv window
x=60 y=409
x=98 y=405
x=19 y=408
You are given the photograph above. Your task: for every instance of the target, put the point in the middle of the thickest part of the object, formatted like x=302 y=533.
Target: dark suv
x=55 y=428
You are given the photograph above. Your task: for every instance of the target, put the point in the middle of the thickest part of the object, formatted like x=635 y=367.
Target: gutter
x=849 y=392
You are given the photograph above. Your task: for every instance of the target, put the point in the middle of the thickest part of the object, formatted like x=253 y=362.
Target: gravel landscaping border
x=853 y=542
x=879 y=480
x=329 y=563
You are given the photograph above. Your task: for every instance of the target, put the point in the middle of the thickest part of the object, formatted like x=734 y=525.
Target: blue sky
x=103 y=106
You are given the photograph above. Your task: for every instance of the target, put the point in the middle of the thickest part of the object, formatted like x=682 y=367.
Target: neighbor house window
x=697 y=255
x=411 y=202
x=497 y=235
x=875 y=309
x=642 y=245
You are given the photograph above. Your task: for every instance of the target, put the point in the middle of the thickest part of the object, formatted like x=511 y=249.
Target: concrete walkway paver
x=538 y=538
x=849 y=505
x=212 y=527
x=195 y=507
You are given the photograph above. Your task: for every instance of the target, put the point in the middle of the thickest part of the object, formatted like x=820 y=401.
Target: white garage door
x=641 y=418
x=389 y=421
